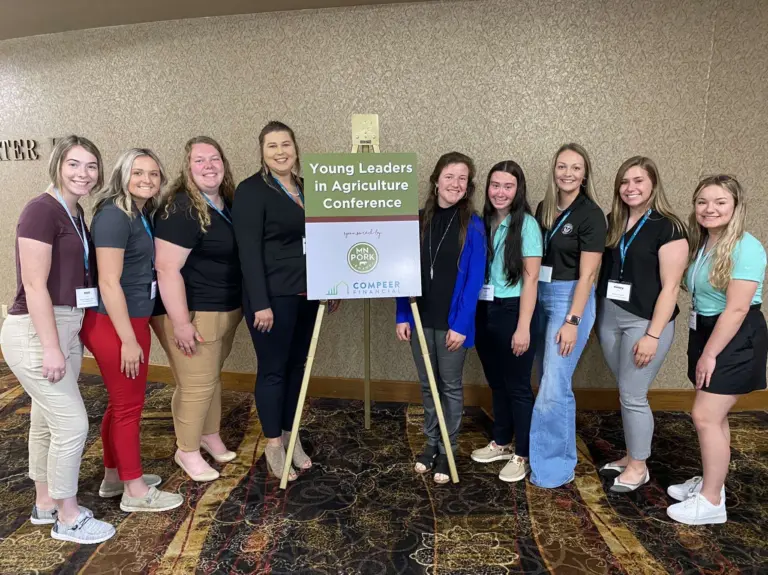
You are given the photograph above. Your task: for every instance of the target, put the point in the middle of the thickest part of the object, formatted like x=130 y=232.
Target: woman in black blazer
x=268 y=217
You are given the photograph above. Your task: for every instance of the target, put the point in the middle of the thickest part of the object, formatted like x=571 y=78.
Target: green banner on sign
x=360 y=185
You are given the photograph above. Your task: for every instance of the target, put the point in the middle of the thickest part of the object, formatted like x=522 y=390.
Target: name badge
x=304 y=246
x=545 y=274
x=153 y=290
x=618 y=291
x=87 y=297
x=486 y=292
x=692 y=320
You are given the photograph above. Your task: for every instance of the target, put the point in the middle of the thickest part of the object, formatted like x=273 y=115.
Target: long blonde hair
x=185 y=184
x=658 y=200
x=722 y=260
x=116 y=189
x=549 y=205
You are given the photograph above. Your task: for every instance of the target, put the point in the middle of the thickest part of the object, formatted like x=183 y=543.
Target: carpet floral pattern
x=362 y=511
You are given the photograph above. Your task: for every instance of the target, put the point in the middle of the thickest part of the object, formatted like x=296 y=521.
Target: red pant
x=120 y=426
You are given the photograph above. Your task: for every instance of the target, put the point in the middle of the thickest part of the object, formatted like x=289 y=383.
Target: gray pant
x=448 y=367
x=618 y=332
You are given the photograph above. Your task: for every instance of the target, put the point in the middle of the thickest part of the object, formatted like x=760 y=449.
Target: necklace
x=559 y=209
x=445 y=233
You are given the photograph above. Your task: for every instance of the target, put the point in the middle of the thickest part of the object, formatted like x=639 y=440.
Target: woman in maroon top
x=40 y=338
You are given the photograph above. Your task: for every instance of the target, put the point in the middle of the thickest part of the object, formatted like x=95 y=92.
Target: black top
x=212 y=271
x=270 y=234
x=641 y=265
x=113 y=228
x=437 y=291
x=583 y=231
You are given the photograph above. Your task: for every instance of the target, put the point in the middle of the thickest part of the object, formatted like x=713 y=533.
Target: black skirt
x=740 y=367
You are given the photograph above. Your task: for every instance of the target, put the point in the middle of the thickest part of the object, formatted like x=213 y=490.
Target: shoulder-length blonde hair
x=116 y=189
x=59 y=152
x=184 y=184
x=658 y=201
x=549 y=206
x=722 y=260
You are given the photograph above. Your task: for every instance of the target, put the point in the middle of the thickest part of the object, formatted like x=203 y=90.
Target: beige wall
x=683 y=82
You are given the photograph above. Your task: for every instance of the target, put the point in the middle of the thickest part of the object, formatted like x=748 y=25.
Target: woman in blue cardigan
x=452 y=273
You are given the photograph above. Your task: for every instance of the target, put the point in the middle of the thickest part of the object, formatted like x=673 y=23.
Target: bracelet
x=653 y=336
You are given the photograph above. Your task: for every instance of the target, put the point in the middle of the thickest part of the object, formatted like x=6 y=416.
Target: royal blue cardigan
x=466 y=290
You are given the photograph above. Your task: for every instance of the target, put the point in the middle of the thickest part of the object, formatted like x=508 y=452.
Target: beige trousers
x=58 y=421
x=196 y=403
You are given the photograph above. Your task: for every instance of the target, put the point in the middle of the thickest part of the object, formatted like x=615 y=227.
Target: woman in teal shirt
x=728 y=339
x=504 y=316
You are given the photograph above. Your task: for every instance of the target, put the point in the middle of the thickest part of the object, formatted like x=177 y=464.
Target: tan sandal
x=300 y=459
x=275 y=456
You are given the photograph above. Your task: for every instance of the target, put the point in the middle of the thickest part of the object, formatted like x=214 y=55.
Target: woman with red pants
x=117 y=332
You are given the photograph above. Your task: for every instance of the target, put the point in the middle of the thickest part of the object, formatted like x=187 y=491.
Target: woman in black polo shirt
x=574 y=239
x=198 y=273
x=645 y=256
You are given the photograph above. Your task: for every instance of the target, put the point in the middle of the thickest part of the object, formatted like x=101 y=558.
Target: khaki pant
x=58 y=421
x=196 y=401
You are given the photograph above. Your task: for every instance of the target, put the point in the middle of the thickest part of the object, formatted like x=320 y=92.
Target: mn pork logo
x=362 y=258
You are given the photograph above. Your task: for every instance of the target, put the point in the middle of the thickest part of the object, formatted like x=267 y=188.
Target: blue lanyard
x=80 y=232
x=549 y=234
x=623 y=248
x=151 y=237
x=210 y=203
x=700 y=259
x=287 y=193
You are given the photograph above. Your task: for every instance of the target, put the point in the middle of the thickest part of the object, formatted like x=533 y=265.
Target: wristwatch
x=572 y=319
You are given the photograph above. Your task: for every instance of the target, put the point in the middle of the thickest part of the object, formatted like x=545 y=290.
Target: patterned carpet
x=362 y=510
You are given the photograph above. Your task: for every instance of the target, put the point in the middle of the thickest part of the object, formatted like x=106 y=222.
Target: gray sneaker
x=48 y=516
x=154 y=500
x=492 y=452
x=85 y=530
x=115 y=488
x=515 y=470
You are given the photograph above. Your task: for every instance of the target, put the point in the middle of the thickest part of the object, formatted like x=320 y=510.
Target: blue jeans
x=553 y=426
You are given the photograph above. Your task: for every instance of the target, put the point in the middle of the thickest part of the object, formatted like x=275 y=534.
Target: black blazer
x=269 y=227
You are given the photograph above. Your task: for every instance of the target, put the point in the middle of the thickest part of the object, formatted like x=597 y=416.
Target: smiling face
x=570 y=171
x=714 y=207
x=79 y=172
x=279 y=152
x=145 y=180
x=206 y=167
x=452 y=184
x=502 y=189
x=636 y=187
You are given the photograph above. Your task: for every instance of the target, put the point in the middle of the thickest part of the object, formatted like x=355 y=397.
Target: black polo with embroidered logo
x=583 y=230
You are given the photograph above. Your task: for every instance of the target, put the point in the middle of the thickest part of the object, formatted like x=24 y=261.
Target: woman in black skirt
x=728 y=338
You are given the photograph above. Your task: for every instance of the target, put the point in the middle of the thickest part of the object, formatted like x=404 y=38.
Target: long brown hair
x=658 y=201
x=722 y=260
x=184 y=184
x=464 y=205
x=270 y=128
x=549 y=205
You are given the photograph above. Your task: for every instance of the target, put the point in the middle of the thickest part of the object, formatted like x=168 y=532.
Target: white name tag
x=545 y=274
x=153 y=290
x=692 y=320
x=304 y=246
x=486 y=293
x=87 y=297
x=618 y=291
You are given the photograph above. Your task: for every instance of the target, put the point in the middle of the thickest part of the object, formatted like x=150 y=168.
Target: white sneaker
x=697 y=510
x=515 y=470
x=492 y=452
x=683 y=491
x=85 y=530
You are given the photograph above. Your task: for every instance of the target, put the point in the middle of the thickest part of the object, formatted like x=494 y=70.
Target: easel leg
x=302 y=394
x=433 y=389
x=367 y=344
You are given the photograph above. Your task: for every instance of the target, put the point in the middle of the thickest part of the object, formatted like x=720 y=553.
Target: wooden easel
x=365 y=128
